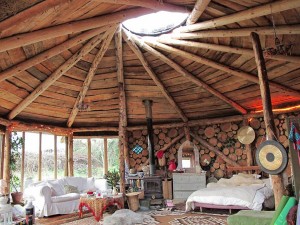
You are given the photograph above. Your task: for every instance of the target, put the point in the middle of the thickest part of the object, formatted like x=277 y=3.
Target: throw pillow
x=70 y=189
x=56 y=186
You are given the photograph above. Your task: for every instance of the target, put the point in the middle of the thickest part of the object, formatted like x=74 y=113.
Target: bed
x=242 y=191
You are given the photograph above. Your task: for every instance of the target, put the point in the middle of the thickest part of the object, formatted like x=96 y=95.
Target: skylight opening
x=155 y=23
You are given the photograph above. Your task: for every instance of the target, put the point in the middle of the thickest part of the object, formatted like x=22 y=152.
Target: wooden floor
x=61 y=219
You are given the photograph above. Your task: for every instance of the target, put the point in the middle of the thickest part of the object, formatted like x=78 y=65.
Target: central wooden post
x=122 y=135
x=277 y=180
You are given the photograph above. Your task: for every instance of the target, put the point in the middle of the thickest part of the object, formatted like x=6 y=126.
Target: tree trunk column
x=7 y=154
x=70 y=155
x=66 y=156
x=277 y=180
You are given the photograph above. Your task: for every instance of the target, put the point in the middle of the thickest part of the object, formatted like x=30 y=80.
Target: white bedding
x=240 y=190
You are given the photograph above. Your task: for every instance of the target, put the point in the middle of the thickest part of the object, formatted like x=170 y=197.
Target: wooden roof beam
x=210 y=121
x=219 y=66
x=238 y=32
x=86 y=84
x=43 y=56
x=151 y=73
x=188 y=75
x=199 y=8
x=69 y=28
x=225 y=48
x=31 y=12
x=57 y=74
x=4 y=122
x=150 y=4
x=263 y=10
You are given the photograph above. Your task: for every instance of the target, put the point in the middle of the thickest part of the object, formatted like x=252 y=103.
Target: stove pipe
x=148 y=107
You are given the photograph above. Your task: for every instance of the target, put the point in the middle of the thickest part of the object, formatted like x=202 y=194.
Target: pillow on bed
x=267 y=182
x=255 y=176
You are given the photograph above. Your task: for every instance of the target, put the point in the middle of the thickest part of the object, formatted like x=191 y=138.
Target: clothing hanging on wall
x=294 y=136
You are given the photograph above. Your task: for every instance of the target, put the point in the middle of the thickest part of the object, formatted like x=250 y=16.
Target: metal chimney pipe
x=148 y=108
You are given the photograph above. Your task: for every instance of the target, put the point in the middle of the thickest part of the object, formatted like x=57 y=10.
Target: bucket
x=133 y=201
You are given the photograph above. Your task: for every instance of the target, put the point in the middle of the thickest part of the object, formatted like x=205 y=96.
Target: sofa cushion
x=70 y=189
x=79 y=182
x=65 y=198
x=57 y=187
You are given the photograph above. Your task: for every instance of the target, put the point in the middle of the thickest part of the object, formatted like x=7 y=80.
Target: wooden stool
x=133 y=200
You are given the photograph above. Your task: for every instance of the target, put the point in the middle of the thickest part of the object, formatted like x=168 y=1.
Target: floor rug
x=85 y=221
x=200 y=219
x=166 y=212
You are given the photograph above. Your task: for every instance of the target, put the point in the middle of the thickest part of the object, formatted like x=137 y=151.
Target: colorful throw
x=294 y=136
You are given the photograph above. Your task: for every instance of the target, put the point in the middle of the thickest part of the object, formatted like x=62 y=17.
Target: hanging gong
x=246 y=135
x=271 y=156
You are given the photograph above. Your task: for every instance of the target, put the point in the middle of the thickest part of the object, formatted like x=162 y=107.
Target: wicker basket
x=133 y=201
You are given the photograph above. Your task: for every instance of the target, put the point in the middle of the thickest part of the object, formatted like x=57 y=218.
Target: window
x=16 y=160
x=31 y=156
x=155 y=23
x=80 y=156
x=97 y=159
x=113 y=153
x=47 y=156
x=61 y=156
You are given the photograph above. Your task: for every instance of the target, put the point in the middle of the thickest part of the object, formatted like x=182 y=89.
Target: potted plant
x=113 y=178
x=16 y=145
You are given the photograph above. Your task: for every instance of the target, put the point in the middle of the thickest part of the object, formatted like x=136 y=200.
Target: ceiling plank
x=29 y=13
x=216 y=65
x=199 y=8
x=151 y=73
x=225 y=48
x=57 y=74
x=69 y=28
x=247 y=14
x=86 y=84
x=20 y=67
x=188 y=75
x=150 y=4
x=239 y=32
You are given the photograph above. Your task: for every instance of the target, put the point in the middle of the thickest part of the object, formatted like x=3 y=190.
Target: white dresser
x=185 y=184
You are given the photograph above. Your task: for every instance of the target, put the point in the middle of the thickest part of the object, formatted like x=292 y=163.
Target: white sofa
x=49 y=197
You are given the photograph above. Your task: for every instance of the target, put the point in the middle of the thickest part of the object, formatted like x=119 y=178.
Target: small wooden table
x=97 y=205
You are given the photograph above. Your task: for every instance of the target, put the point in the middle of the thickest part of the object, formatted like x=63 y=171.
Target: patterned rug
x=202 y=219
x=166 y=212
x=85 y=221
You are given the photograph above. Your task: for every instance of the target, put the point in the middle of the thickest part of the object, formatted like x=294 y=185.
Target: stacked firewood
x=161 y=138
x=221 y=136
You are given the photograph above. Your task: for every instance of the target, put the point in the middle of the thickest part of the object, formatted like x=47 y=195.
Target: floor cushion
x=281 y=220
x=251 y=217
x=280 y=207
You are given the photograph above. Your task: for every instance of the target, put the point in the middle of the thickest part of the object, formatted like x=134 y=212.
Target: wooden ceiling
x=55 y=54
